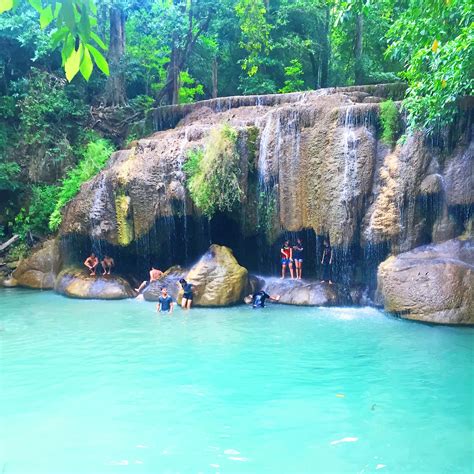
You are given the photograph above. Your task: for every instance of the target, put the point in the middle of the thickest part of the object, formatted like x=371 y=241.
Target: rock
x=218 y=279
x=39 y=270
x=170 y=280
x=76 y=283
x=432 y=184
x=432 y=283
x=459 y=177
x=8 y=282
x=444 y=228
x=304 y=293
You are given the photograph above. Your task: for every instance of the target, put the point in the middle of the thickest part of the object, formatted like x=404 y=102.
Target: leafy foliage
x=390 y=120
x=294 y=74
x=434 y=39
x=188 y=90
x=35 y=219
x=75 y=21
x=94 y=158
x=213 y=173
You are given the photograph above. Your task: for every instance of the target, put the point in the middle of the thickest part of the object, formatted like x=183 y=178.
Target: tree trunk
x=314 y=70
x=326 y=50
x=115 y=88
x=358 y=68
x=214 y=78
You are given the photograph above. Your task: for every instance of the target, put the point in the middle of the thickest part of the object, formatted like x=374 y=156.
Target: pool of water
x=101 y=387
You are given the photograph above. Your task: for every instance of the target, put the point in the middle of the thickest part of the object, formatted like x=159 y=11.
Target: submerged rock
x=169 y=280
x=432 y=283
x=39 y=270
x=76 y=283
x=218 y=279
x=304 y=292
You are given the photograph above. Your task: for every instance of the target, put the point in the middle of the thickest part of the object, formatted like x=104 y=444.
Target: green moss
x=252 y=137
x=213 y=173
x=390 y=120
x=124 y=226
x=267 y=207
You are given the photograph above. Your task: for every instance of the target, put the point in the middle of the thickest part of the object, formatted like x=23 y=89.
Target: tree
x=434 y=39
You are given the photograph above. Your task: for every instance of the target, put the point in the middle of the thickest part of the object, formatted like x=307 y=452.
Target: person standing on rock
x=298 y=258
x=187 y=300
x=107 y=264
x=155 y=274
x=91 y=263
x=286 y=253
x=326 y=262
x=165 y=302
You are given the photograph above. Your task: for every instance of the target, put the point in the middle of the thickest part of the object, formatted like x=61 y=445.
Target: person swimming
x=155 y=274
x=165 y=302
x=257 y=300
x=187 y=299
x=286 y=253
x=298 y=258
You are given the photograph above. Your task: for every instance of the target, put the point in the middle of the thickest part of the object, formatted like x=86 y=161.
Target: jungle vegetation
x=74 y=74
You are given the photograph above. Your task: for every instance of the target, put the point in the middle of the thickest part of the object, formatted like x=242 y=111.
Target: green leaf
x=99 y=59
x=72 y=64
x=97 y=39
x=36 y=4
x=46 y=17
x=5 y=5
x=58 y=36
x=86 y=65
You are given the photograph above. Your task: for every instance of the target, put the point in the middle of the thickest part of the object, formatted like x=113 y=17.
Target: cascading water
x=96 y=215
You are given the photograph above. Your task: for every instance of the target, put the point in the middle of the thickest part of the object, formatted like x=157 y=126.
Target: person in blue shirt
x=257 y=300
x=187 y=300
x=165 y=302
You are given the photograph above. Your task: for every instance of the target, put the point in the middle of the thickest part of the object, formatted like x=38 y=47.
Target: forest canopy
x=73 y=72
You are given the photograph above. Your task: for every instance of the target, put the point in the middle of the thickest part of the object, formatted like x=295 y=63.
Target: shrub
x=294 y=77
x=35 y=219
x=390 y=120
x=213 y=173
x=94 y=158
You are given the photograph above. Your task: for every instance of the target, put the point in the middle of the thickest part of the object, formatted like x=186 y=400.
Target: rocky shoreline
x=432 y=283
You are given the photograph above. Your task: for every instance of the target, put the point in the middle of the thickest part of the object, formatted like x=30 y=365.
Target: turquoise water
x=111 y=387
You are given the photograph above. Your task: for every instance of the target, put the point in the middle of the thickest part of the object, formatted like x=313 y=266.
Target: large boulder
x=39 y=270
x=170 y=280
x=218 y=279
x=77 y=283
x=304 y=293
x=433 y=283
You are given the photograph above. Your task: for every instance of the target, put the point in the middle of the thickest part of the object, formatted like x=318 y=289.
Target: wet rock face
x=433 y=283
x=310 y=160
x=39 y=270
x=76 y=283
x=218 y=279
x=304 y=293
x=169 y=280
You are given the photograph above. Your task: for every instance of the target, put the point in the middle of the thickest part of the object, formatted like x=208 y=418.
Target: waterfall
x=96 y=214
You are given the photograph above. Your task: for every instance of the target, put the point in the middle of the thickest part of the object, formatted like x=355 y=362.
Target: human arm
x=171 y=306
x=330 y=258
x=87 y=263
x=274 y=297
x=158 y=307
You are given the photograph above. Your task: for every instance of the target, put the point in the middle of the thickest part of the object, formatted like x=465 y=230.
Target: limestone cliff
x=308 y=160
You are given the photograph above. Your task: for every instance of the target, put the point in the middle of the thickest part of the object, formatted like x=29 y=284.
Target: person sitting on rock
x=155 y=274
x=107 y=264
x=257 y=300
x=298 y=258
x=286 y=253
x=187 y=300
x=165 y=302
x=326 y=262
x=91 y=263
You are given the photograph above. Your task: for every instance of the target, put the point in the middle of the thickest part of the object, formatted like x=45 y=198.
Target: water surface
x=112 y=387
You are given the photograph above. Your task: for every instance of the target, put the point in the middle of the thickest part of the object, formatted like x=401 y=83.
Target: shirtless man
x=91 y=263
x=155 y=274
x=107 y=264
